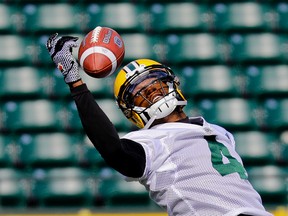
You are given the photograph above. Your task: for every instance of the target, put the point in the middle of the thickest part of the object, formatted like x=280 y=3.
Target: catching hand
x=60 y=50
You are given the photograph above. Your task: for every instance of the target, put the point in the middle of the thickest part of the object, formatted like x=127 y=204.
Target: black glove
x=60 y=50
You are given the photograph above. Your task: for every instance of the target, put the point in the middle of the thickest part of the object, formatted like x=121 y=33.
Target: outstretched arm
x=125 y=156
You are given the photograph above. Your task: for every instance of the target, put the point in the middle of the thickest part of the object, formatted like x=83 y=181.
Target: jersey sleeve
x=124 y=155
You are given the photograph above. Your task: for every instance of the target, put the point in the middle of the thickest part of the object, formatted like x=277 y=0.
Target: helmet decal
x=131 y=67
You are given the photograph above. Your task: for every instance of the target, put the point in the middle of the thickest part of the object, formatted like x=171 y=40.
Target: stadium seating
x=269 y=181
x=6 y=14
x=6 y=157
x=48 y=150
x=282 y=151
x=139 y=45
x=41 y=57
x=271 y=80
x=12 y=184
x=242 y=16
x=282 y=15
x=57 y=87
x=109 y=105
x=256 y=47
x=27 y=82
x=179 y=17
x=62 y=187
x=114 y=114
x=32 y=115
x=256 y=147
x=276 y=116
x=216 y=80
x=123 y=17
x=91 y=157
x=101 y=88
x=18 y=50
x=194 y=48
x=72 y=121
x=117 y=192
x=41 y=18
x=232 y=113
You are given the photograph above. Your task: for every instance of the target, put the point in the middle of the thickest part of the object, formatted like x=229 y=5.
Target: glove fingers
x=51 y=41
x=68 y=40
x=65 y=43
x=60 y=50
x=71 y=44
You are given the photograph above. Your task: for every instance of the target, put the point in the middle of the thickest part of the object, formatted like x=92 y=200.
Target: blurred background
x=230 y=56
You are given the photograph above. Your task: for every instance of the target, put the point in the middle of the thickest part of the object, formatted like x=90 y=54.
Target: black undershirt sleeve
x=124 y=155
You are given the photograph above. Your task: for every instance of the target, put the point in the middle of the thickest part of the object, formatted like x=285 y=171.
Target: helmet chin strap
x=163 y=108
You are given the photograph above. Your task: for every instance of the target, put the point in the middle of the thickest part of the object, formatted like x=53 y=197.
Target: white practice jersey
x=194 y=170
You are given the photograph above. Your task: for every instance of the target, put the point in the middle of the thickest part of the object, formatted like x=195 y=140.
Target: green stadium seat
x=48 y=150
x=42 y=56
x=116 y=192
x=242 y=16
x=18 y=50
x=180 y=16
x=139 y=45
x=270 y=181
x=58 y=88
x=6 y=149
x=282 y=151
x=276 y=115
x=231 y=113
x=63 y=187
x=115 y=115
x=255 y=147
x=123 y=17
x=51 y=18
x=267 y=80
x=72 y=122
x=23 y=82
x=258 y=47
x=101 y=88
x=12 y=193
x=91 y=157
x=194 y=48
x=6 y=18
x=216 y=80
x=33 y=115
x=282 y=16
x=190 y=108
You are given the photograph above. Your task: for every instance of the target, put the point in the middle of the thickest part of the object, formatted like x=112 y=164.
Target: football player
x=189 y=166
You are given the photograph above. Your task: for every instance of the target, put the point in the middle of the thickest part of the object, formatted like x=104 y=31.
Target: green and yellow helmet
x=134 y=73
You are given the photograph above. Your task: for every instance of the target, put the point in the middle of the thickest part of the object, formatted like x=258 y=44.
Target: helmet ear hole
x=176 y=80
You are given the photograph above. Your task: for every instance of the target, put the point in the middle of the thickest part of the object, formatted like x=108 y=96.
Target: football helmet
x=135 y=73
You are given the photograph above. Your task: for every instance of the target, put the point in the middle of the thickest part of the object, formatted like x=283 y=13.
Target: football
x=101 y=52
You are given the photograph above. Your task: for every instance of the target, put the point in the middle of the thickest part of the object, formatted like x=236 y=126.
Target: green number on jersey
x=218 y=150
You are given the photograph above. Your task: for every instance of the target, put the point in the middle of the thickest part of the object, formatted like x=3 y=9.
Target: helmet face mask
x=154 y=78
x=141 y=95
x=149 y=76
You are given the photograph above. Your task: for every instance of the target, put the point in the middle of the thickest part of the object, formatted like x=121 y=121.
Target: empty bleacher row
x=231 y=58
x=234 y=113
x=175 y=49
x=57 y=169
x=43 y=16
x=72 y=187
